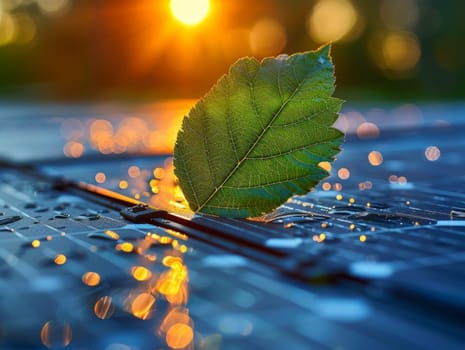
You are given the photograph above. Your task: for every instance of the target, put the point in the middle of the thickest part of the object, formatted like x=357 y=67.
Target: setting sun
x=190 y=12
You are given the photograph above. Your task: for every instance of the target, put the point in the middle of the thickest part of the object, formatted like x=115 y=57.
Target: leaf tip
x=325 y=50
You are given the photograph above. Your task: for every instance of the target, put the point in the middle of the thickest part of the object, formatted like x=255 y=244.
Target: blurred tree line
x=87 y=49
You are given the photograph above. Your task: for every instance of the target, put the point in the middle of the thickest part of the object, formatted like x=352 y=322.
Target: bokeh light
x=104 y=307
x=60 y=259
x=397 y=54
x=100 y=177
x=179 y=336
x=343 y=173
x=432 y=153
x=401 y=51
x=73 y=149
x=402 y=180
x=134 y=171
x=7 y=28
x=326 y=186
x=91 y=279
x=367 y=130
x=56 y=334
x=375 y=158
x=141 y=273
x=331 y=20
x=53 y=7
x=267 y=37
x=142 y=305
x=157 y=49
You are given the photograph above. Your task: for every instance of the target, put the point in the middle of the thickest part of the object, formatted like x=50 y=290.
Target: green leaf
x=257 y=136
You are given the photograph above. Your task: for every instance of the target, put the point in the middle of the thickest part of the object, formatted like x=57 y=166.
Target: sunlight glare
x=190 y=12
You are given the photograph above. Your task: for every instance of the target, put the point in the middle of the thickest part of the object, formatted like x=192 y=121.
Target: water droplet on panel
x=10 y=219
x=87 y=216
x=62 y=216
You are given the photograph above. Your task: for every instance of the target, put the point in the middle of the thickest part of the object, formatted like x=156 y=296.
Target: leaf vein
x=296 y=149
x=271 y=183
x=262 y=134
x=205 y=139
x=304 y=119
x=228 y=121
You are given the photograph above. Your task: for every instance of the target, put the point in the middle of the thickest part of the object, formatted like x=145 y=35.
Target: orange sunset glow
x=190 y=12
